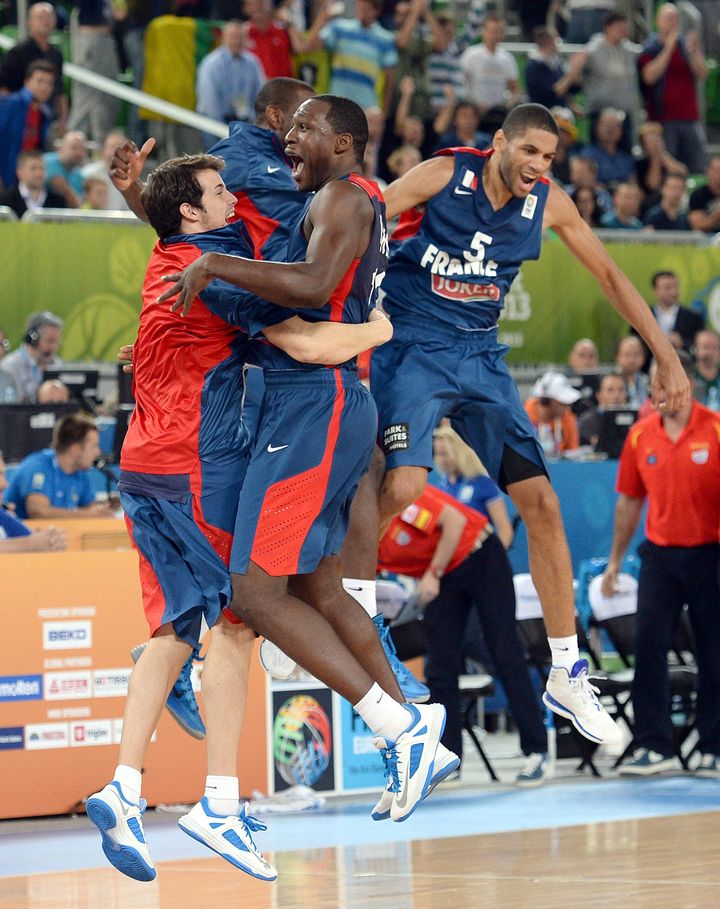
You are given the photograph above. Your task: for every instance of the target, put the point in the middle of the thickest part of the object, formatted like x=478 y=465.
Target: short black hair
x=345 y=116
x=529 y=116
x=280 y=92
x=40 y=66
x=542 y=33
x=170 y=185
x=70 y=430
x=662 y=274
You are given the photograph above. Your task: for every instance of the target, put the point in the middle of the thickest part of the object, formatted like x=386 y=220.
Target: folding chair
x=616 y=616
x=472 y=687
x=531 y=628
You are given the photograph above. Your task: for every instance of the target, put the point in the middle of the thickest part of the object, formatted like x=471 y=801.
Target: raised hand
x=127 y=163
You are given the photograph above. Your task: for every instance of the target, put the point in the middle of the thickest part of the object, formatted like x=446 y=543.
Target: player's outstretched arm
x=671 y=385
x=126 y=166
x=329 y=343
x=339 y=218
x=419 y=184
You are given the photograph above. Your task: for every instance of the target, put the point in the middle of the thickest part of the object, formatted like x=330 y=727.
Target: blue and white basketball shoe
x=120 y=824
x=410 y=759
x=446 y=762
x=230 y=837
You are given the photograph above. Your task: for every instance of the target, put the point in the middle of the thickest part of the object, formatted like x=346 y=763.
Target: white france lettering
x=441 y=262
x=429 y=255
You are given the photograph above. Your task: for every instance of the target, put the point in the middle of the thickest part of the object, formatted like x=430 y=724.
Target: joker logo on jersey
x=463 y=291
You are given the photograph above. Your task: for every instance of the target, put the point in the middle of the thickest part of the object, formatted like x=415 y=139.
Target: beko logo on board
x=67 y=635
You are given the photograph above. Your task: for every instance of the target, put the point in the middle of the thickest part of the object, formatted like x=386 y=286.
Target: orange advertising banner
x=72 y=619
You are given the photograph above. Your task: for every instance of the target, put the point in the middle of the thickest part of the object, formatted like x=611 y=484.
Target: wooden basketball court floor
x=647 y=844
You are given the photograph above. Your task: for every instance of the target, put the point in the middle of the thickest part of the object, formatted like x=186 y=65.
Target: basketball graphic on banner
x=302 y=741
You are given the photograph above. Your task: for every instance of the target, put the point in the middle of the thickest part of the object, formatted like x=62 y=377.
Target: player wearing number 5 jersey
x=483 y=215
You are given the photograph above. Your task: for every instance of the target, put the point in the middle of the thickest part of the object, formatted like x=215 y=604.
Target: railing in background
x=134 y=96
x=80 y=215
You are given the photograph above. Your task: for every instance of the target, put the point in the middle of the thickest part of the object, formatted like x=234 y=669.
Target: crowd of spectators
x=566 y=407
x=429 y=73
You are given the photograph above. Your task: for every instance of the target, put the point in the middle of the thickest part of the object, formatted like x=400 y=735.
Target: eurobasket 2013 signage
x=302 y=737
x=317 y=740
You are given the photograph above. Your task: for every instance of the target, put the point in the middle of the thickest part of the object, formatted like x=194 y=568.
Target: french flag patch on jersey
x=469 y=179
x=467 y=184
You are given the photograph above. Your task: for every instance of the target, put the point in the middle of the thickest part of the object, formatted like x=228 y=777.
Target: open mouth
x=527 y=181
x=296 y=162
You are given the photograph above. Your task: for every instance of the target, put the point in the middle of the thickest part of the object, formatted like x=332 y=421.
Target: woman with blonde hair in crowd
x=463 y=476
x=474 y=612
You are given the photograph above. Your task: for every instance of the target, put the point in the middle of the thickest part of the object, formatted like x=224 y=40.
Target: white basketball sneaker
x=571 y=695
x=230 y=837
x=120 y=824
x=446 y=762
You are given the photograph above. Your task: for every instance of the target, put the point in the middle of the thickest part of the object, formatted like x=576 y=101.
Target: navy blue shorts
x=184 y=549
x=313 y=444
x=429 y=371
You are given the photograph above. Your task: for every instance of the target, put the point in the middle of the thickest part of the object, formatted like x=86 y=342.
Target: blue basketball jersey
x=460 y=257
x=352 y=299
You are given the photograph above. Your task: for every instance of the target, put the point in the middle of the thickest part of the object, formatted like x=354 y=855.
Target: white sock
x=223 y=795
x=384 y=715
x=130 y=781
x=564 y=651
x=363 y=592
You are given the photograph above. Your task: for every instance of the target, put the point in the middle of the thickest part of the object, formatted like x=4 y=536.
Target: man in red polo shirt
x=270 y=38
x=673 y=460
x=462 y=565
